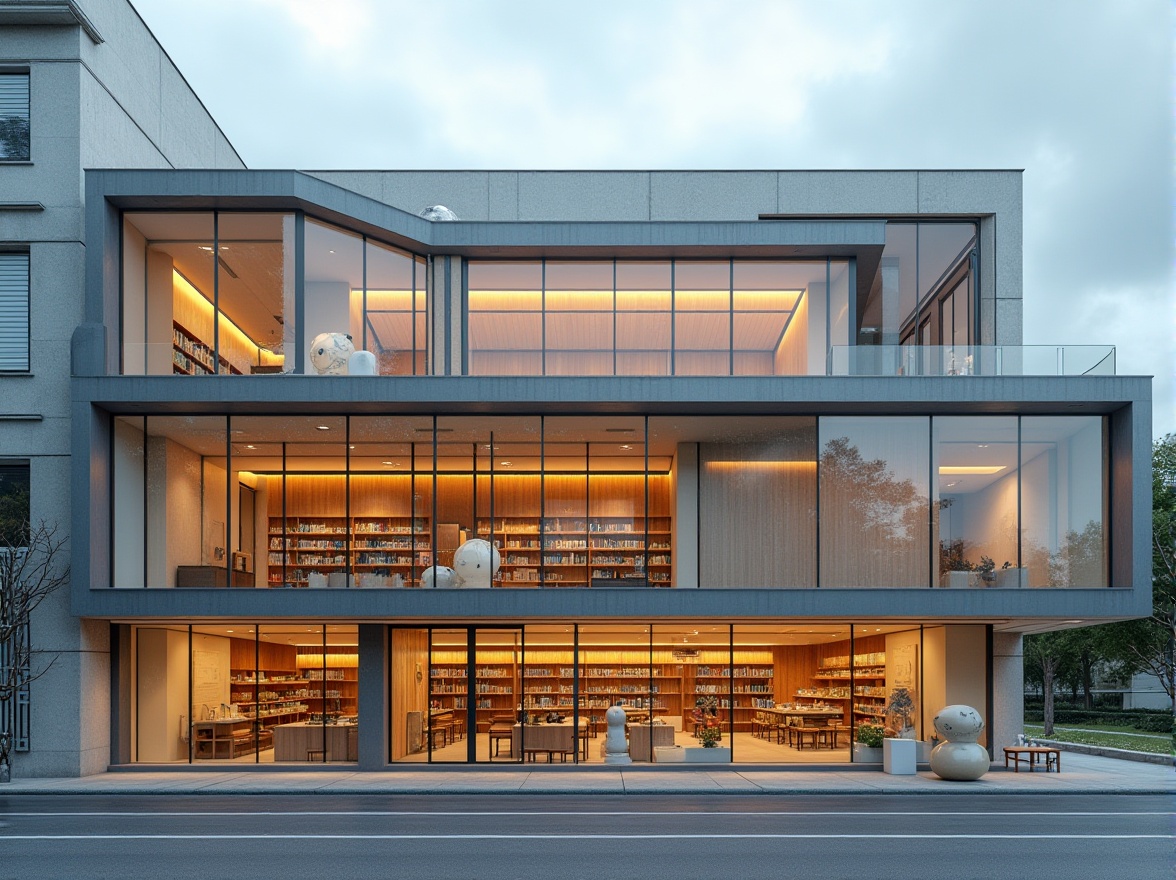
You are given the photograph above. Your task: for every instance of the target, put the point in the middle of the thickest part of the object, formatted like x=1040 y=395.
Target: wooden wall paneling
x=660 y=495
x=616 y=495
x=409 y=653
x=757 y=518
x=565 y=495
x=315 y=495
x=381 y=495
x=455 y=500
x=515 y=495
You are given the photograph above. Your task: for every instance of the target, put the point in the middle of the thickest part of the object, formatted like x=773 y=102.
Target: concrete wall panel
x=584 y=196
x=711 y=195
x=847 y=192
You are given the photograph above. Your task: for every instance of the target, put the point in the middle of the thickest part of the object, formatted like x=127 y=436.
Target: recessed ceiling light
x=352 y=446
x=250 y=446
x=228 y=630
x=322 y=427
x=952 y=470
x=330 y=252
x=506 y=463
x=385 y=462
x=626 y=446
x=981 y=445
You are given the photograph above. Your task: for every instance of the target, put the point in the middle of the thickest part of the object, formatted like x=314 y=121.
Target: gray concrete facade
x=102 y=93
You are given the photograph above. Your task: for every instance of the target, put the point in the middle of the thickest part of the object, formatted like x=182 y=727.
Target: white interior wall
x=129 y=522
x=161 y=691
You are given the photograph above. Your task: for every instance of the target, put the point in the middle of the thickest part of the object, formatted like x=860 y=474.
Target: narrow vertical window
x=14 y=313
x=14 y=117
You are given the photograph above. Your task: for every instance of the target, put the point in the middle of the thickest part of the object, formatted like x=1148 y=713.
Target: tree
x=1149 y=645
x=33 y=565
x=1051 y=653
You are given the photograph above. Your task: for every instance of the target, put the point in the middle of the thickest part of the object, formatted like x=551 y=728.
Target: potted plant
x=899 y=749
x=955 y=569
x=868 y=748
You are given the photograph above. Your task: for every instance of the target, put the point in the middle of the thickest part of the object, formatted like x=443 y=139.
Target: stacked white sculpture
x=330 y=353
x=616 y=747
x=959 y=756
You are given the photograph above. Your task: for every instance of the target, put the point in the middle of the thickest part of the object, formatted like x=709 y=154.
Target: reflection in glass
x=390 y=306
x=874 y=501
x=505 y=319
x=1064 y=500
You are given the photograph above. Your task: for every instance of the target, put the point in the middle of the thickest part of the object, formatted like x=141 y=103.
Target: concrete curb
x=1108 y=752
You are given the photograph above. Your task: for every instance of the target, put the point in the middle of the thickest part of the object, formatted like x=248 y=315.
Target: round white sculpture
x=330 y=352
x=959 y=756
x=362 y=363
x=476 y=562
x=616 y=747
x=438 y=213
x=440 y=577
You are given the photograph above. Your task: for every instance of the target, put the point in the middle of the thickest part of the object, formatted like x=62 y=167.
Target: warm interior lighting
x=758 y=465
x=949 y=470
x=184 y=288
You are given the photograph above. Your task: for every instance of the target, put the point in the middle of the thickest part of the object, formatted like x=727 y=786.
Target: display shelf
x=332 y=683
x=868 y=699
x=391 y=550
x=192 y=357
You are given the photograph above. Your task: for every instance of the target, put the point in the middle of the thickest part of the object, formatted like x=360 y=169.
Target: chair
x=501 y=728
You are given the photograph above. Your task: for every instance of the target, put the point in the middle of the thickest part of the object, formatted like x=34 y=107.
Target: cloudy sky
x=1078 y=93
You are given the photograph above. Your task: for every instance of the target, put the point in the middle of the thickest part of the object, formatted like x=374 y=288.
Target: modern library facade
x=351 y=478
x=779 y=476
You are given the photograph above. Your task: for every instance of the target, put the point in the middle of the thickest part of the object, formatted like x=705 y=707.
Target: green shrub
x=870 y=735
x=1155 y=723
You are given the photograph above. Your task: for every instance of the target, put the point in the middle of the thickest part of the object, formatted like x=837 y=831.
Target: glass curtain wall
x=765 y=502
x=874 y=501
x=654 y=318
x=244 y=694
x=208 y=293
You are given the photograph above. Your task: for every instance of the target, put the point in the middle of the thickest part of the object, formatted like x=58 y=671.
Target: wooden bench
x=1050 y=756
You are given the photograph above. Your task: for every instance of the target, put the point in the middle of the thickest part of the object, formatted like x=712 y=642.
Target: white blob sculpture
x=330 y=352
x=362 y=363
x=959 y=756
x=440 y=577
x=438 y=213
x=616 y=747
x=476 y=562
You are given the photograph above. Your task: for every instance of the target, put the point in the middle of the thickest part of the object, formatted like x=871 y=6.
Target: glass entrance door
x=456 y=694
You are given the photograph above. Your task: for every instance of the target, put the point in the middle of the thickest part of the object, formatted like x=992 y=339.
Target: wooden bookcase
x=332 y=684
x=192 y=357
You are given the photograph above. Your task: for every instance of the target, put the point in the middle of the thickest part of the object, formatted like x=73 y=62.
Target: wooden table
x=304 y=741
x=548 y=739
x=643 y=738
x=818 y=714
x=1049 y=755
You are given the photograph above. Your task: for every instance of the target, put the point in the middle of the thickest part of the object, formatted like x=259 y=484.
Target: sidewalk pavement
x=1081 y=774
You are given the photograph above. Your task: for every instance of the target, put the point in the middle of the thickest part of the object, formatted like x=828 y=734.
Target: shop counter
x=303 y=741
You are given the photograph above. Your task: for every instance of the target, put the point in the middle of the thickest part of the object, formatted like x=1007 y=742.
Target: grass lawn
x=1108 y=735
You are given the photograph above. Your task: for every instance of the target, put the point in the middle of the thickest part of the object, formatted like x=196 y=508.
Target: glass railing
x=971 y=360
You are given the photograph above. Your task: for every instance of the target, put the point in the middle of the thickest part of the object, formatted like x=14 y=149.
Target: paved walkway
x=1081 y=774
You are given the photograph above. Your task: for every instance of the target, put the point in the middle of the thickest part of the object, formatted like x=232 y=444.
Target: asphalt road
x=546 y=837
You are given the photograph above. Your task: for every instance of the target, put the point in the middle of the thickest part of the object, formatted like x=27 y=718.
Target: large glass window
x=1064 y=501
x=655 y=318
x=14 y=117
x=188 y=313
x=285 y=693
x=975 y=500
x=874 y=501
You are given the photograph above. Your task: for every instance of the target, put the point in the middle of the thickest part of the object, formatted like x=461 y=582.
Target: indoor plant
x=868 y=748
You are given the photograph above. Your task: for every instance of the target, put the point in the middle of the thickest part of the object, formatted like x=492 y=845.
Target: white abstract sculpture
x=476 y=562
x=959 y=756
x=440 y=577
x=616 y=747
x=330 y=352
x=437 y=213
x=362 y=363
